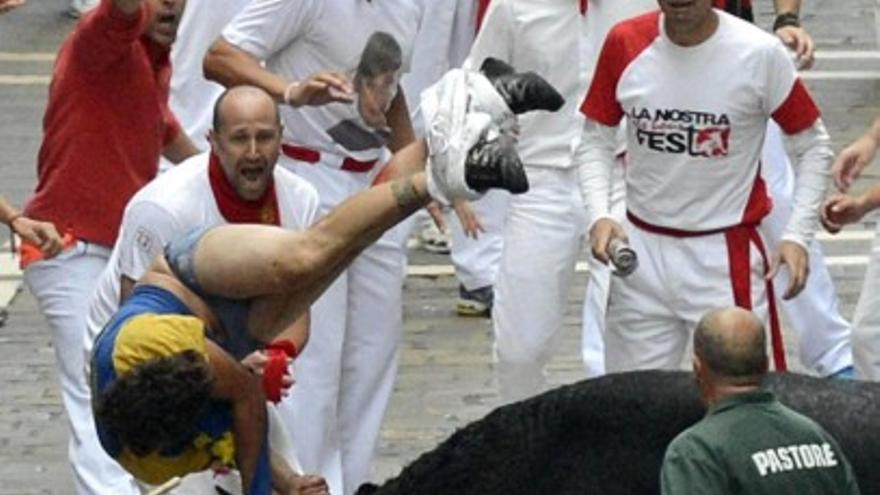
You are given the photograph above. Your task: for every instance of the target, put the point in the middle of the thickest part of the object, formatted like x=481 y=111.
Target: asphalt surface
x=446 y=372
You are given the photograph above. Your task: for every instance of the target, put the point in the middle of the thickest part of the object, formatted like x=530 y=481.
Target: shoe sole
x=435 y=249
x=468 y=308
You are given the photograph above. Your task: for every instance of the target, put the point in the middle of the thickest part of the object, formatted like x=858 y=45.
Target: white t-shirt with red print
x=696 y=118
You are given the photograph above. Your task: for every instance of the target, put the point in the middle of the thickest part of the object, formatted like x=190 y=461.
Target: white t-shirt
x=299 y=38
x=173 y=204
x=192 y=96
x=553 y=39
x=442 y=43
x=696 y=118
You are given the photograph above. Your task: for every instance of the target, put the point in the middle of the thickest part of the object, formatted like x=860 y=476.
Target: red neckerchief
x=237 y=210
x=584 y=5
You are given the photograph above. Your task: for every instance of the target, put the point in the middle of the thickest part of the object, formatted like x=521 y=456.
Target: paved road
x=445 y=375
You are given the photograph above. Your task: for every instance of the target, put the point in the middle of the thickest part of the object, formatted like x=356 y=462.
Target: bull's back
x=608 y=435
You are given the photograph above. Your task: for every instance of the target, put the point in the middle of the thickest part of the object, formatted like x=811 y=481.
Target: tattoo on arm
x=406 y=194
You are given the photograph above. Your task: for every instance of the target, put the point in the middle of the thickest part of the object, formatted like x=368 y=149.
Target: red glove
x=285 y=345
x=279 y=352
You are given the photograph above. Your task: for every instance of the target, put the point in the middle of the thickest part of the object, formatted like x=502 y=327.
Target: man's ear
x=212 y=138
x=697 y=365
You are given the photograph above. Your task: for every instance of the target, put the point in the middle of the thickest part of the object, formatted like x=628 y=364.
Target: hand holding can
x=623 y=257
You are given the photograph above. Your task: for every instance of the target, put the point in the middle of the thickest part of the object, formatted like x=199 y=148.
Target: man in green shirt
x=748 y=443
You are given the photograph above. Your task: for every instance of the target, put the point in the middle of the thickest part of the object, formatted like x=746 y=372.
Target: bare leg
x=283 y=271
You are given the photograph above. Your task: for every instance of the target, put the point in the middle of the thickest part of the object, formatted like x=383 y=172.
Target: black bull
x=608 y=435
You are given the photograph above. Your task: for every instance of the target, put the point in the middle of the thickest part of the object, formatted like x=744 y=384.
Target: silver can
x=623 y=257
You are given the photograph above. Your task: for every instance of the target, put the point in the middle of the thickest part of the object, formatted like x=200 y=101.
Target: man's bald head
x=731 y=344
x=243 y=99
x=246 y=139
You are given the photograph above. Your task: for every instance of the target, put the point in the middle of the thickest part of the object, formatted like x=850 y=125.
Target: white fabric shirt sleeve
x=594 y=155
x=310 y=208
x=811 y=150
x=496 y=36
x=146 y=229
x=805 y=137
x=780 y=75
x=266 y=26
x=409 y=51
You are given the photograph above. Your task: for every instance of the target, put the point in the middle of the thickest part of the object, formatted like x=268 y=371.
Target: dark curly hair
x=156 y=406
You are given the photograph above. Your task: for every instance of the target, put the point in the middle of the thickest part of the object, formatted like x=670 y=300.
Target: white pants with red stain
x=653 y=312
x=345 y=374
x=63 y=288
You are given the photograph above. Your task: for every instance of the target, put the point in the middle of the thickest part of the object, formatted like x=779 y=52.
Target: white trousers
x=866 y=321
x=476 y=260
x=345 y=375
x=653 y=311
x=542 y=237
x=63 y=287
x=824 y=335
x=598 y=281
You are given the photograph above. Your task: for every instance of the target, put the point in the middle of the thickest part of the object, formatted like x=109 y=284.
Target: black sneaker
x=477 y=302
x=523 y=91
x=495 y=164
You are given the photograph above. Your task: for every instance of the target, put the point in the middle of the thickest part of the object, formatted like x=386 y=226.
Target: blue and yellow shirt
x=151 y=324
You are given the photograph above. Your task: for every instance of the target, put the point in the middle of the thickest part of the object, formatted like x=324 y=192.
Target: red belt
x=739 y=239
x=313 y=156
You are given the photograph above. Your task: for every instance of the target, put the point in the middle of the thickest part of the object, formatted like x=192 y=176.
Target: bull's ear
x=367 y=489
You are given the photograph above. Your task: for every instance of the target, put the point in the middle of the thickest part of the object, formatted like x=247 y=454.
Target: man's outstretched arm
x=234 y=383
x=230 y=66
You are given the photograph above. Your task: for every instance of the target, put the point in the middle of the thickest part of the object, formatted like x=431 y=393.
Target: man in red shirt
x=106 y=123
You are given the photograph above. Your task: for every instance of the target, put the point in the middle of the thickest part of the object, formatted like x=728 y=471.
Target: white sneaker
x=459 y=110
x=79 y=8
x=432 y=240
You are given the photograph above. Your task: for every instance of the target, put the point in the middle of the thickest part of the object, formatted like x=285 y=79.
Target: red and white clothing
x=542 y=229
x=704 y=106
x=345 y=376
x=696 y=118
x=297 y=39
x=106 y=123
x=193 y=194
x=178 y=201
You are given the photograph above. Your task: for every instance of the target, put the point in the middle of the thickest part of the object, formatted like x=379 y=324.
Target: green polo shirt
x=752 y=444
